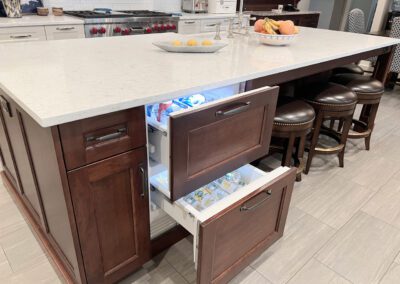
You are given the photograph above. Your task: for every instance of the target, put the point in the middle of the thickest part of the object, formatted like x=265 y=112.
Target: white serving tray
x=167 y=46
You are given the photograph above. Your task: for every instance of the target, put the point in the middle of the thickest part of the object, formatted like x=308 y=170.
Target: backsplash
x=90 y=4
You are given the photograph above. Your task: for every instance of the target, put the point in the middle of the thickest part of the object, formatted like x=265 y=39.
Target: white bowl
x=275 y=39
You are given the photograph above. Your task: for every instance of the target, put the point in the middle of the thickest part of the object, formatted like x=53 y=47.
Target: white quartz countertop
x=65 y=80
x=35 y=20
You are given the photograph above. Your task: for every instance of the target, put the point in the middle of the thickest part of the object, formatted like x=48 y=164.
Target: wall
x=326 y=8
x=90 y=4
x=167 y=5
x=381 y=15
x=304 y=5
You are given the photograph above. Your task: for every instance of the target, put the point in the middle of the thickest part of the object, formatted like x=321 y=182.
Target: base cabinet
x=110 y=201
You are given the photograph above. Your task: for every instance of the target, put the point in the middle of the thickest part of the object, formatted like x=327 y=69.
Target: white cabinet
x=16 y=34
x=64 y=32
x=189 y=26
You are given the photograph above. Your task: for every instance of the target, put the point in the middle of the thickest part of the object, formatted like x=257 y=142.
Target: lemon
x=191 y=42
x=176 y=43
x=207 y=42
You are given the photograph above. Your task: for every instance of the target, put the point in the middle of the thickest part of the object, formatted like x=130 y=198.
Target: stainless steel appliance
x=195 y=6
x=118 y=23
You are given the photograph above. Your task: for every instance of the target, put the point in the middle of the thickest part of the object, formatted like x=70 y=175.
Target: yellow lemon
x=191 y=42
x=176 y=43
x=207 y=42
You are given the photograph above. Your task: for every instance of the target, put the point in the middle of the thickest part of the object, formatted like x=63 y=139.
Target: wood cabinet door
x=6 y=154
x=111 y=207
x=25 y=175
x=232 y=239
x=207 y=142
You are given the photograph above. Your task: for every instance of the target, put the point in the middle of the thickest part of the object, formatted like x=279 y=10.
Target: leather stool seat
x=331 y=102
x=291 y=111
x=293 y=121
x=369 y=93
x=359 y=84
x=349 y=68
x=329 y=94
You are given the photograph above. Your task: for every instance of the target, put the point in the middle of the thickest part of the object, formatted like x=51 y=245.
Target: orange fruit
x=259 y=26
x=287 y=28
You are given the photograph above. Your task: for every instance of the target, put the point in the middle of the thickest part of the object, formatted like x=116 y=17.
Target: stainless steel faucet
x=218 y=32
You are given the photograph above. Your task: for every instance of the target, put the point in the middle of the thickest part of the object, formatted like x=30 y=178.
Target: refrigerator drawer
x=193 y=146
x=233 y=231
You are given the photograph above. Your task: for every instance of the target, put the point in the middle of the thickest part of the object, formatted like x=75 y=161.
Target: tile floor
x=343 y=225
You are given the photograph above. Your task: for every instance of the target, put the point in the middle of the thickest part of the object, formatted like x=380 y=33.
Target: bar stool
x=292 y=122
x=352 y=68
x=369 y=93
x=330 y=102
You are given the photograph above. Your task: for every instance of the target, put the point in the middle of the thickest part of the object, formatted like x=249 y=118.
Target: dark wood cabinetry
x=110 y=202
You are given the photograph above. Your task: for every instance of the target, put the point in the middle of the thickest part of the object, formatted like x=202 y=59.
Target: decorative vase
x=12 y=8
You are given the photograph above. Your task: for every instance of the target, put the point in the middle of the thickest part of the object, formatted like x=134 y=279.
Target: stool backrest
x=395 y=33
x=356 y=21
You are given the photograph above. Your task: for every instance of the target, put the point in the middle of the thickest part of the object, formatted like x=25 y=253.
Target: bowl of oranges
x=273 y=32
x=200 y=45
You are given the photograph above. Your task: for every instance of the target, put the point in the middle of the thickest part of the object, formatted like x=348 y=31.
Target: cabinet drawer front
x=229 y=241
x=22 y=34
x=208 y=142
x=189 y=27
x=64 y=32
x=90 y=140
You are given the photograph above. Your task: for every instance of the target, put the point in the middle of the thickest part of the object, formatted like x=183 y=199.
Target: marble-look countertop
x=35 y=20
x=66 y=80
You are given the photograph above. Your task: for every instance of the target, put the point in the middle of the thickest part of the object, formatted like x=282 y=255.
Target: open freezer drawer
x=199 y=144
x=232 y=232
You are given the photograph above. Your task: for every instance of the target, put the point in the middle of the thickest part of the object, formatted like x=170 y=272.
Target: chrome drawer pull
x=241 y=108
x=255 y=206
x=20 y=36
x=143 y=173
x=120 y=132
x=190 y=22
x=65 y=29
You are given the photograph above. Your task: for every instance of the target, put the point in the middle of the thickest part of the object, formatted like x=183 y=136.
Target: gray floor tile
x=385 y=204
x=336 y=201
x=300 y=242
x=362 y=250
x=393 y=275
x=314 y=272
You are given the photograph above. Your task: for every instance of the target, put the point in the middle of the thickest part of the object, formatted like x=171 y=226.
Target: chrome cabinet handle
x=20 y=36
x=190 y=22
x=211 y=25
x=255 y=206
x=232 y=111
x=65 y=29
x=120 y=132
x=143 y=173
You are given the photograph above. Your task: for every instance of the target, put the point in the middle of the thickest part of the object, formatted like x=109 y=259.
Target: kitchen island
x=76 y=139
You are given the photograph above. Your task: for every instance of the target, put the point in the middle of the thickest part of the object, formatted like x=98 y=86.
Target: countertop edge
x=70 y=117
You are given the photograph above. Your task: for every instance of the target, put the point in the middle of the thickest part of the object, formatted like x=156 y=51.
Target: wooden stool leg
x=287 y=157
x=340 y=126
x=332 y=124
x=300 y=154
x=371 y=123
x=343 y=139
x=314 y=141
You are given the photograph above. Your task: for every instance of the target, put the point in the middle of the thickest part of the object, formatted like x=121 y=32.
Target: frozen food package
x=205 y=196
x=231 y=181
